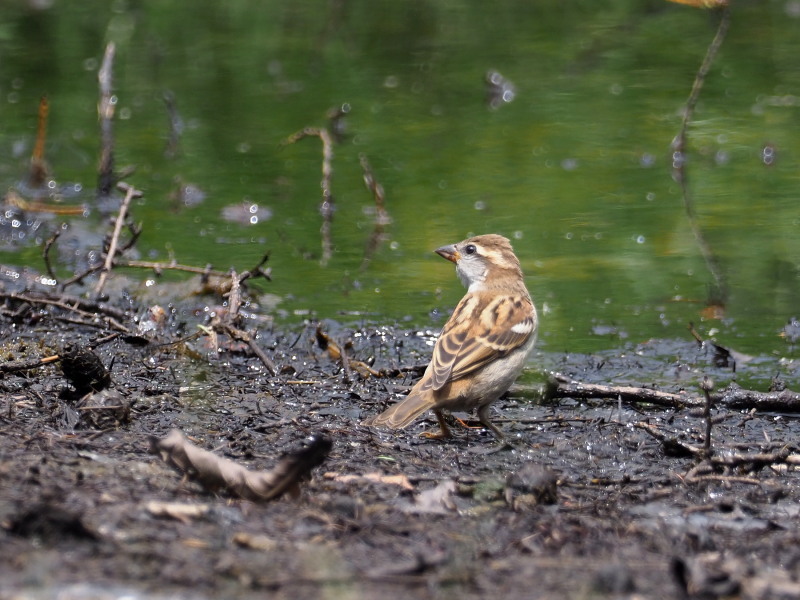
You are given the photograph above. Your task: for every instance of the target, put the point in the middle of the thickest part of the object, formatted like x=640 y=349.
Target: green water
x=576 y=169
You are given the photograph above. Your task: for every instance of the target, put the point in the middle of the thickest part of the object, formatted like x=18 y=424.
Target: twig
x=27 y=365
x=326 y=207
x=39 y=171
x=245 y=337
x=130 y=193
x=560 y=386
x=234 y=299
x=107 y=322
x=258 y=270
x=734 y=397
x=227 y=325
x=206 y=271
x=46 y=253
x=719 y=294
x=670 y=444
x=382 y=218
x=105 y=112
x=70 y=303
x=707 y=385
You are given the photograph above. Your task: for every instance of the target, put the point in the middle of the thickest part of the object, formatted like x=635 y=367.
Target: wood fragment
x=46 y=253
x=326 y=207
x=382 y=218
x=561 y=386
x=39 y=170
x=105 y=112
x=734 y=397
x=719 y=291
x=130 y=193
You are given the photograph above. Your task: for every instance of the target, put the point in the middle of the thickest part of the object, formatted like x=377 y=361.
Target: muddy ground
x=598 y=505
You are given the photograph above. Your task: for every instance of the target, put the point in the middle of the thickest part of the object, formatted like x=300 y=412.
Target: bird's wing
x=483 y=327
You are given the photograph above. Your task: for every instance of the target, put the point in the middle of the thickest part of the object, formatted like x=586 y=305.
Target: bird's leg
x=445 y=430
x=483 y=417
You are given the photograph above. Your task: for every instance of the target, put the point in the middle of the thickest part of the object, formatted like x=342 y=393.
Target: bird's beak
x=449 y=252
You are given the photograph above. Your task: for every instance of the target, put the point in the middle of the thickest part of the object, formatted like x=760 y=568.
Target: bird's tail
x=401 y=415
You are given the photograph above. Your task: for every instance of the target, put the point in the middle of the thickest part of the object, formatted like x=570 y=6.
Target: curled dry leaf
x=218 y=473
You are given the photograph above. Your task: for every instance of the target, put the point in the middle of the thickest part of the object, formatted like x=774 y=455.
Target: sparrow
x=484 y=344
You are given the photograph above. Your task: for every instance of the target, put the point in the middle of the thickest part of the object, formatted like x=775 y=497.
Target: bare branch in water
x=382 y=218
x=719 y=293
x=46 y=253
x=326 y=207
x=105 y=112
x=39 y=170
x=130 y=194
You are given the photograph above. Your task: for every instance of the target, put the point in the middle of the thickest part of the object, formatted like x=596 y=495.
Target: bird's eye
x=470 y=249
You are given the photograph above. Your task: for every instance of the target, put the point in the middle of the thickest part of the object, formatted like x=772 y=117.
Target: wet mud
x=596 y=498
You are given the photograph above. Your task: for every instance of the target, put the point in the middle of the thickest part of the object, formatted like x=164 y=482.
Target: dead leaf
x=437 y=500
x=218 y=473
x=338 y=354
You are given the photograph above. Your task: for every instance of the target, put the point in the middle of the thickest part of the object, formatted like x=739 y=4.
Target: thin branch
x=719 y=294
x=79 y=277
x=130 y=194
x=46 y=253
x=560 y=386
x=326 y=207
x=39 y=171
x=245 y=337
x=736 y=398
x=105 y=112
x=707 y=385
x=382 y=218
x=234 y=299
x=27 y=365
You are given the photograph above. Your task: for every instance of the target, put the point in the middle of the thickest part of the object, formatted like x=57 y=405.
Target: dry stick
x=105 y=112
x=560 y=386
x=70 y=303
x=16 y=366
x=206 y=271
x=734 y=397
x=326 y=206
x=109 y=320
x=130 y=193
x=79 y=277
x=38 y=168
x=46 y=253
x=234 y=298
x=720 y=292
x=707 y=385
x=382 y=218
x=226 y=325
x=245 y=337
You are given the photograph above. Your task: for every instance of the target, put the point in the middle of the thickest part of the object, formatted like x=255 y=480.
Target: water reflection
x=576 y=169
